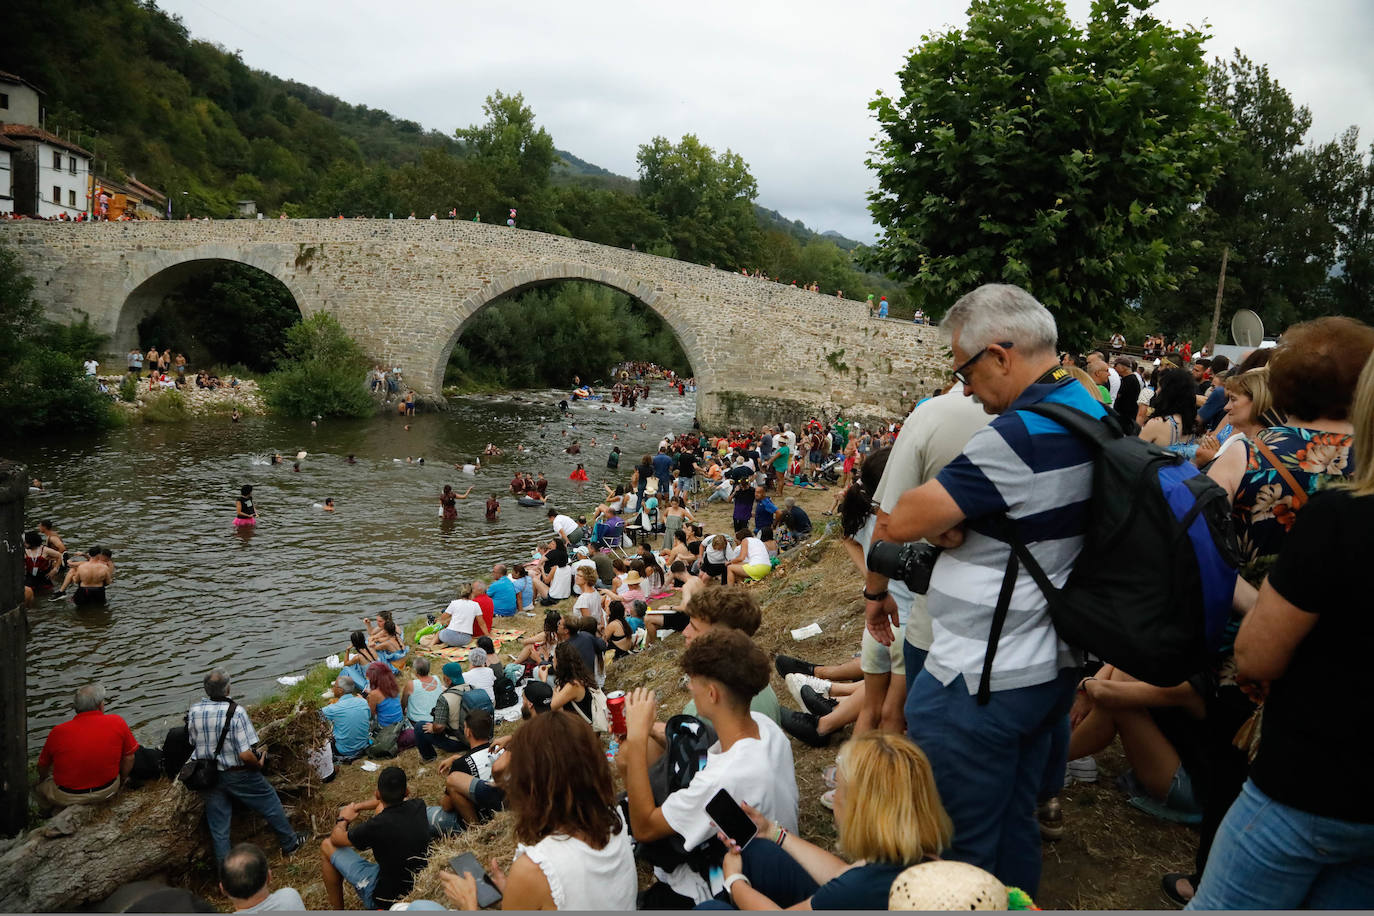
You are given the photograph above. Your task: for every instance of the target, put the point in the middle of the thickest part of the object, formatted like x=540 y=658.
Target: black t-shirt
x=588 y=646
x=555 y=558
x=1312 y=715
x=686 y=465
x=399 y=839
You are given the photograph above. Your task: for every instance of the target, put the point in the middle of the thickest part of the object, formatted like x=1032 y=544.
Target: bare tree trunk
x=1216 y=311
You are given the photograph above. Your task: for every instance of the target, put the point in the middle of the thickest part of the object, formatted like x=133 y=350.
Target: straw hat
x=946 y=885
x=632 y=578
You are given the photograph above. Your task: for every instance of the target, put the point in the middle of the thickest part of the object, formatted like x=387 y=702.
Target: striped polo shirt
x=1039 y=475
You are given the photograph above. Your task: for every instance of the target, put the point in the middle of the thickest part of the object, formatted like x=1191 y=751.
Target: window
x=57 y=161
x=56 y=194
x=4 y=100
x=71 y=198
x=71 y=164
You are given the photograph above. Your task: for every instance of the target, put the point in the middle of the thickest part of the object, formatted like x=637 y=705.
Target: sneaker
x=1051 y=818
x=804 y=727
x=299 y=843
x=786 y=665
x=795 y=683
x=828 y=799
x=1083 y=770
x=816 y=704
x=828 y=774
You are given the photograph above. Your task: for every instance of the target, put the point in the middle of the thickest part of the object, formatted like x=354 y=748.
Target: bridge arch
x=515 y=282
x=163 y=274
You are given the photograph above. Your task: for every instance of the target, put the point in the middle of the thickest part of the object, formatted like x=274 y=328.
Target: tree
x=705 y=200
x=517 y=157
x=322 y=372
x=1281 y=208
x=1026 y=150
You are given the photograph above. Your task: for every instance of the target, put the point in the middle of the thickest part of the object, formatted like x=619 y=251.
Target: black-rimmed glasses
x=959 y=374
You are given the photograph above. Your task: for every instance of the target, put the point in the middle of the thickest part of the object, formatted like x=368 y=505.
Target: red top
x=84 y=752
x=488 y=608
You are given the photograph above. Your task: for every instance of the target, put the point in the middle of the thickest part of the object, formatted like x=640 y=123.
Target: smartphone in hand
x=467 y=864
x=726 y=813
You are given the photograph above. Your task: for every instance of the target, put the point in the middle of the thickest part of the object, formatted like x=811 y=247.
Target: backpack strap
x=1299 y=494
x=224 y=732
x=1020 y=556
x=1096 y=430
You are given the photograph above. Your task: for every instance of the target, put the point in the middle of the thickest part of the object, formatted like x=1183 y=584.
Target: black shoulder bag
x=203 y=773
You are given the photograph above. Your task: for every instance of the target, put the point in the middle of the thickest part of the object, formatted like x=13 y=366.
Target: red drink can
x=615 y=705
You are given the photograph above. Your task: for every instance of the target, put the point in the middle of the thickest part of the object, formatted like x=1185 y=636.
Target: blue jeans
x=251 y=788
x=913 y=659
x=989 y=763
x=772 y=873
x=429 y=745
x=1267 y=855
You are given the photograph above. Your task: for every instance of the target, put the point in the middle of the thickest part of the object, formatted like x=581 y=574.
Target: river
x=191 y=594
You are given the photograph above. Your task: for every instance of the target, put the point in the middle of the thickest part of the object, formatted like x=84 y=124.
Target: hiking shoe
x=795 y=683
x=1051 y=818
x=804 y=727
x=786 y=665
x=816 y=704
x=296 y=846
x=1083 y=770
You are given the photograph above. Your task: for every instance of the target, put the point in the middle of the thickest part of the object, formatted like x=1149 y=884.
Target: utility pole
x=14 y=630
x=1216 y=311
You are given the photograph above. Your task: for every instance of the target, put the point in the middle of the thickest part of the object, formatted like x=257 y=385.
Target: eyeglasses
x=960 y=374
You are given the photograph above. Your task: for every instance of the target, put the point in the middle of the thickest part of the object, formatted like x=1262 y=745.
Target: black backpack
x=1152 y=589
x=504 y=688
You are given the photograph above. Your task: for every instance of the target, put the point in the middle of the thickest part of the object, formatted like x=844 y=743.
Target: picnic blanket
x=460 y=653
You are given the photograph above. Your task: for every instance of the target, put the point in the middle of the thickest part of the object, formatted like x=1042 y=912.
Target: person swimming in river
x=583 y=392
x=491 y=449
x=448 y=502
x=276 y=458
x=91 y=577
x=40 y=562
x=328 y=504
x=351 y=460
x=245 y=514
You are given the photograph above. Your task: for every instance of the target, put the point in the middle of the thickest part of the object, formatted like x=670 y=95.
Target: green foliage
x=128 y=389
x=1066 y=160
x=514 y=156
x=321 y=373
x=705 y=200
x=546 y=336
x=43 y=387
x=229 y=313
x=1287 y=211
x=166 y=407
x=79 y=340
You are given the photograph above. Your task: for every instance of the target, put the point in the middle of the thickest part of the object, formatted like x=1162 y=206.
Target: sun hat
x=632 y=578
x=946 y=885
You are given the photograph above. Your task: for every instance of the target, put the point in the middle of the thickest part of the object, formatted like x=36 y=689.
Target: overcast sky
x=784 y=84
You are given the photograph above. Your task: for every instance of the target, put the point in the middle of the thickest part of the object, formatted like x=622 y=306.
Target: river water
x=190 y=593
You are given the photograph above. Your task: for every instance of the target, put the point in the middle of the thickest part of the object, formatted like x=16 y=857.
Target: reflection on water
x=192 y=592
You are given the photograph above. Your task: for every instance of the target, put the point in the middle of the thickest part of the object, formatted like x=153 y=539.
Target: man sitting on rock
x=244 y=878
x=87 y=758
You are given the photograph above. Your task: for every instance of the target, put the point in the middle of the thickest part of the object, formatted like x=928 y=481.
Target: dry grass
x=1111 y=856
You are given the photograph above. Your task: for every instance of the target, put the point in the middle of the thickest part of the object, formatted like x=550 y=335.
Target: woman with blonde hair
x=1249 y=408
x=889 y=817
x=1290 y=841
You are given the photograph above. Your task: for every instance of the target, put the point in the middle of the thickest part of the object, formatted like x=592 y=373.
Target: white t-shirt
x=934 y=434
x=577 y=588
x=755 y=552
x=91 y=366
x=464 y=611
x=283 y=898
x=484 y=678
x=564 y=525
x=756 y=771
x=587 y=879
x=589 y=605
x=561 y=587
x=712 y=555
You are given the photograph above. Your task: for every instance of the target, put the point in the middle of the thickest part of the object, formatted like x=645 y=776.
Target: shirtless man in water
x=91 y=577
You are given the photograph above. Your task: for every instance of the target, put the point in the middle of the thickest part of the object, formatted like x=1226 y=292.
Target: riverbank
x=198 y=402
x=1110 y=857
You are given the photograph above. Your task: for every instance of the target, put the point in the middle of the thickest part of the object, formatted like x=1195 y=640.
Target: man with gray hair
x=993 y=695
x=351 y=717
x=86 y=759
x=240 y=766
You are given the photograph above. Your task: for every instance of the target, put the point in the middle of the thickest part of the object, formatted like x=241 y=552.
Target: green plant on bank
x=321 y=374
x=166 y=407
x=128 y=389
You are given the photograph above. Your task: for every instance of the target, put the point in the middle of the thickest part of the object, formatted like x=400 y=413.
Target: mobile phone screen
x=467 y=864
x=731 y=819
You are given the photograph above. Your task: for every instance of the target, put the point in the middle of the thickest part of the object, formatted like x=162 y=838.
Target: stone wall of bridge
x=406 y=290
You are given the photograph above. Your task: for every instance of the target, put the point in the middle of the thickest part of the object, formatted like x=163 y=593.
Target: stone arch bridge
x=406 y=289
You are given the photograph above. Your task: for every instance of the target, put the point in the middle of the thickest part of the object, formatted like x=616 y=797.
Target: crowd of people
x=960 y=742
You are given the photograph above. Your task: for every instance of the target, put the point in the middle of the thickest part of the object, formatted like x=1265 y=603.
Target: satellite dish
x=1247 y=330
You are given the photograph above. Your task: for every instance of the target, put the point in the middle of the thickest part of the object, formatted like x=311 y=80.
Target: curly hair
x=730 y=658
x=1176 y=394
x=557 y=781
x=1313 y=371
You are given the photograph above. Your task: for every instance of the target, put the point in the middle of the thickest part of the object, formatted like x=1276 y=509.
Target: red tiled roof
x=27 y=132
x=8 y=144
x=19 y=81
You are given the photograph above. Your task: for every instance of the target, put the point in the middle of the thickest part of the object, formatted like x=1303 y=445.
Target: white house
x=52 y=176
x=7 y=150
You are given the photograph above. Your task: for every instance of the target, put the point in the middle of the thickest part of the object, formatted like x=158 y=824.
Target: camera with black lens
x=909 y=563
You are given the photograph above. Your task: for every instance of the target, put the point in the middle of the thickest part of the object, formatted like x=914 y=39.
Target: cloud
x=784 y=84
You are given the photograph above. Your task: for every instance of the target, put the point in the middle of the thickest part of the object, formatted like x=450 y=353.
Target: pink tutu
x=240 y=522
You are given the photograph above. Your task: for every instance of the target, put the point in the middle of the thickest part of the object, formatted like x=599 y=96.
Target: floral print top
x=1263 y=506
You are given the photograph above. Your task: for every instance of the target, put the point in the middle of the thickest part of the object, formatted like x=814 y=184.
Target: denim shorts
x=1181 y=796
x=486 y=797
x=358 y=872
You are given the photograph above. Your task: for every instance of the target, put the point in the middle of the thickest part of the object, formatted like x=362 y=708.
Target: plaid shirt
x=204 y=722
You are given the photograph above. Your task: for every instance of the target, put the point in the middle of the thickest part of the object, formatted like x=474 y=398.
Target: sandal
x=828 y=774
x=1169 y=884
